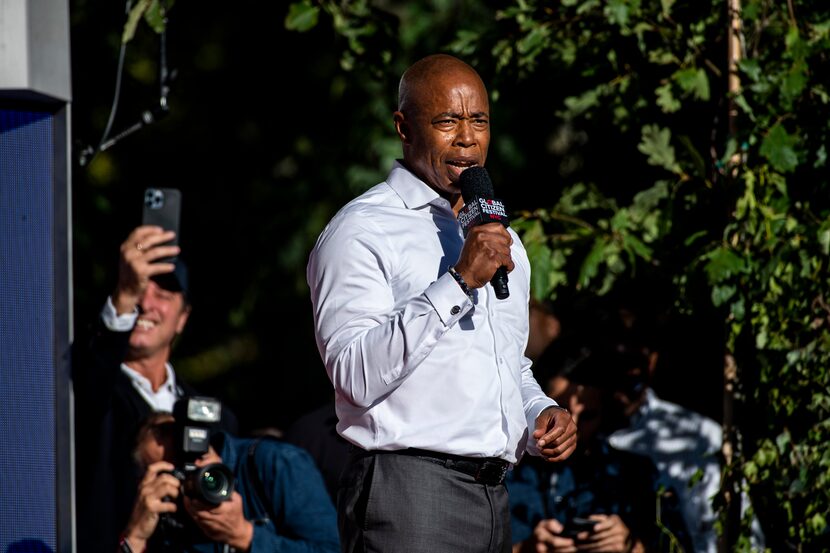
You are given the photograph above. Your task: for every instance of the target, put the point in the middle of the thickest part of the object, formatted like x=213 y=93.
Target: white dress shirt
x=414 y=362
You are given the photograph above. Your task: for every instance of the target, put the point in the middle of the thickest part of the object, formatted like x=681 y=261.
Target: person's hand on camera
x=136 y=265
x=486 y=248
x=153 y=493
x=224 y=523
x=610 y=535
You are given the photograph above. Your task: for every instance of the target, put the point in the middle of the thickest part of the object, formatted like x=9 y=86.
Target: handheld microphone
x=480 y=208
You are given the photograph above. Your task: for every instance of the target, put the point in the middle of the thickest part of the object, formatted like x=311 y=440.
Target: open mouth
x=145 y=324
x=458 y=166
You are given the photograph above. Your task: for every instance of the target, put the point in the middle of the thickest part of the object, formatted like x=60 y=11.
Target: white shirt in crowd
x=165 y=397
x=680 y=442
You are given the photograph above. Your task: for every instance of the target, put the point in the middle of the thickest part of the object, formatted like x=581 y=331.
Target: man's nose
x=466 y=136
x=145 y=302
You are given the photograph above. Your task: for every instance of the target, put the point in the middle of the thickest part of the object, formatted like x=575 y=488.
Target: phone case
x=162 y=207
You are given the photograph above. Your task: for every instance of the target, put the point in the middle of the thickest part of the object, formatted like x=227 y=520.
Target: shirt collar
x=142 y=381
x=414 y=192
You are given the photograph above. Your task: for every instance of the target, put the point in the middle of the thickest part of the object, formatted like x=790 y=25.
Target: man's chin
x=139 y=349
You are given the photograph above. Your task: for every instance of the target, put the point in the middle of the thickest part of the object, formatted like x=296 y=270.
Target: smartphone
x=162 y=207
x=577 y=525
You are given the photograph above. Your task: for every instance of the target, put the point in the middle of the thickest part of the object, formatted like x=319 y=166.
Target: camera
x=195 y=418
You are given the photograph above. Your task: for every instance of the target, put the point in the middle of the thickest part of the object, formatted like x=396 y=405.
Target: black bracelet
x=460 y=280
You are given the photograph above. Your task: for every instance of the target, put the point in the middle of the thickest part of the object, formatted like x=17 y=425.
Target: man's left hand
x=224 y=523
x=555 y=434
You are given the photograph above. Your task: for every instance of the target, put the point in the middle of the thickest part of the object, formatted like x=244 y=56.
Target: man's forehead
x=451 y=96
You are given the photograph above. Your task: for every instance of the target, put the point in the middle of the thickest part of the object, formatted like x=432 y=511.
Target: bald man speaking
x=431 y=383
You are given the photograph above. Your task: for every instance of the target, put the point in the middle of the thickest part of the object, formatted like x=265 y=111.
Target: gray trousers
x=391 y=503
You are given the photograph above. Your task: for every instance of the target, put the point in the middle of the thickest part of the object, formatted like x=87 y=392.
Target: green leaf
x=540 y=258
x=751 y=68
x=666 y=100
x=794 y=81
x=738 y=309
x=155 y=16
x=617 y=12
x=750 y=470
x=693 y=81
x=778 y=148
x=302 y=16
x=722 y=294
x=634 y=245
x=578 y=105
x=722 y=264
x=692 y=238
x=824 y=237
x=821 y=157
x=533 y=41
x=818 y=523
x=655 y=144
x=783 y=442
x=592 y=261
x=660 y=56
x=133 y=18
x=620 y=220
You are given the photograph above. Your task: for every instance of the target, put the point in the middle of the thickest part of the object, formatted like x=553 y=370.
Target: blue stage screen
x=28 y=288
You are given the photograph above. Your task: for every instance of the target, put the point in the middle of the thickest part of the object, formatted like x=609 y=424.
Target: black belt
x=485 y=470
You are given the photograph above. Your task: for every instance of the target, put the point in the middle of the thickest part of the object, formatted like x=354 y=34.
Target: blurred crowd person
x=615 y=344
x=279 y=502
x=121 y=375
x=683 y=444
x=316 y=432
x=602 y=499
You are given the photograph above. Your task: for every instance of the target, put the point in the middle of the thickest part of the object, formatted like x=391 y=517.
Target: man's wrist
x=554 y=407
x=124 y=303
x=461 y=282
x=242 y=542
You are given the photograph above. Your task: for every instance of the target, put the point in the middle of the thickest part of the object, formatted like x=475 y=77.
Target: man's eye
x=481 y=123
x=446 y=122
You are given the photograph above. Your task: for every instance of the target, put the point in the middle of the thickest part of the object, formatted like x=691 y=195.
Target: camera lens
x=211 y=484
x=214 y=482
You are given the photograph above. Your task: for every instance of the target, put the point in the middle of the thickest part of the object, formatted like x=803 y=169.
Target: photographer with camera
x=204 y=490
x=121 y=374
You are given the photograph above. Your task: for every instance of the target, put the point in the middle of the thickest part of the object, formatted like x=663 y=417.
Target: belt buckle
x=491 y=472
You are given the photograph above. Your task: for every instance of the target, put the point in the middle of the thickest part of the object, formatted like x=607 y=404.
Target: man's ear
x=401 y=126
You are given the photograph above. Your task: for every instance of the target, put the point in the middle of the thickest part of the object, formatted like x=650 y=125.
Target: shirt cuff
x=448 y=299
x=115 y=322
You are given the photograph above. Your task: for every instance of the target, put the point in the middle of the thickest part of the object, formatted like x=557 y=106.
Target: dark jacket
x=108 y=413
x=316 y=432
x=282 y=494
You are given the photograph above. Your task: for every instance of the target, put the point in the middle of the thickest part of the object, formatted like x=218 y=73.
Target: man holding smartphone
x=123 y=376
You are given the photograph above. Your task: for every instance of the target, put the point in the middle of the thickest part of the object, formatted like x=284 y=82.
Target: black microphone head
x=475 y=182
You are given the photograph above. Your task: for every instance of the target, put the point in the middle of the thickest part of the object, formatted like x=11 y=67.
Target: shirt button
x=455 y=310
